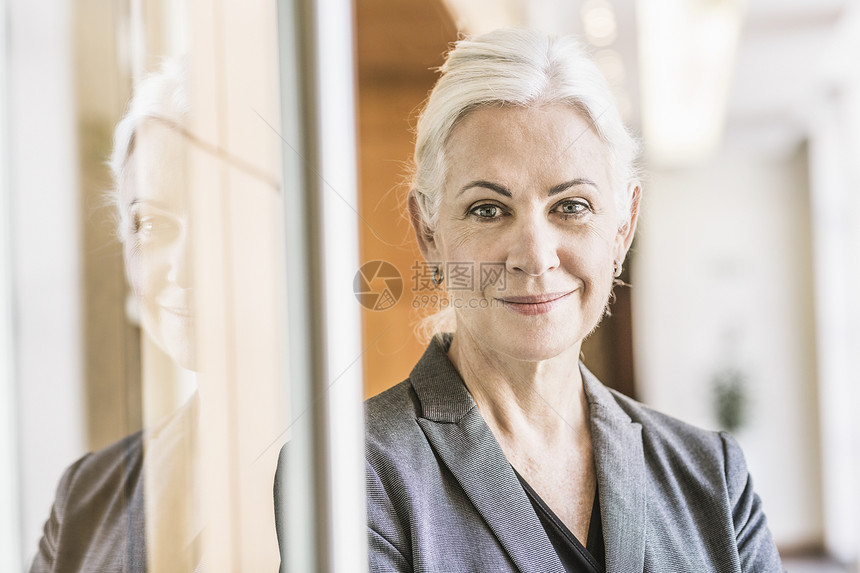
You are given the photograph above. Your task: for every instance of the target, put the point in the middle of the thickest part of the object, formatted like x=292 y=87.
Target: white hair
x=161 y=96
x=523 y=68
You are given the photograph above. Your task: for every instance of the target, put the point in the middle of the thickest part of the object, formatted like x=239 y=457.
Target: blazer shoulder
x=675 y=443
x=663 y=425
x=124 y=452
x=393 y=436
x=97 y=475
x=707 y=465
x=392 y=409
x=85 y=518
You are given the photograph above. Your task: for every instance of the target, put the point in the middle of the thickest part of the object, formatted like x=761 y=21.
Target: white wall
x=10 y=517
x=722 y=279
x=45 y=252
x=835 y=191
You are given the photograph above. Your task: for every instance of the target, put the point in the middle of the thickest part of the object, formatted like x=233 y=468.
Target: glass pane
x=178 y=326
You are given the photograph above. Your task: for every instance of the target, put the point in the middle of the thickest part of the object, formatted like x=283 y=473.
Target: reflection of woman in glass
x=152 y=201
x=115 y=505
x=501 y=451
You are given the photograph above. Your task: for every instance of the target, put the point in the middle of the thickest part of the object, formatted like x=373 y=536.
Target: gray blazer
x=442 y=496
x=98 y=520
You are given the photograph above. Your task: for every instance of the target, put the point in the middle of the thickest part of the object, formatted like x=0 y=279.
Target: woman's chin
x=538 y=351
x=182 y=350
x=529 y=346
x=177 y=344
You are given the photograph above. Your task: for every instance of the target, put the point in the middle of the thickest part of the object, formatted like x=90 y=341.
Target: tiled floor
x=812 y=565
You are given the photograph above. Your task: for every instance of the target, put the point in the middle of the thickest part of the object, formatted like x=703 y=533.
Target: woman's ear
x=425 y=237
x=628 y=228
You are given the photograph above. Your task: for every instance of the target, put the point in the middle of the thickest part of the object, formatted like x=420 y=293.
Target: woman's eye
x=146 y=227
x=141 y=226
x=572 y=207
x=150 y=227
x=135 y=222
x=487 y=211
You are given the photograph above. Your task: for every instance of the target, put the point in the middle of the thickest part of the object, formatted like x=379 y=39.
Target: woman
x=115 y=506
x=501 y=451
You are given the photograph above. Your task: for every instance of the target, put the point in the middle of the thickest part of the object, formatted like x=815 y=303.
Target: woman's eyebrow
x=150 y=202
x=488 y=185
x=501 y=190
x=568 y=184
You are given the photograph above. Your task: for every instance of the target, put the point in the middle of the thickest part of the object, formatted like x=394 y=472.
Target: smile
x=534 y=304
x=178 y=311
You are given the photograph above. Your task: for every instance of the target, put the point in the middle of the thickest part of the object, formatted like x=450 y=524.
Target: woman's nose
x=534 y=247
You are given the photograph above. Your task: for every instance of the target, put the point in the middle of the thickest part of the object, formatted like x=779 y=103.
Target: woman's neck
x=523 y=400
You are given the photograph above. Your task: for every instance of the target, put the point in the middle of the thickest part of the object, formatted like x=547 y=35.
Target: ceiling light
x=687 y=52
x=598 y=21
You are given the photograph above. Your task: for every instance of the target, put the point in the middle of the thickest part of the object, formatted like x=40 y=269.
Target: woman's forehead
x=156 y=170
x=507 y=141
x=548 y=119
x=159 y=139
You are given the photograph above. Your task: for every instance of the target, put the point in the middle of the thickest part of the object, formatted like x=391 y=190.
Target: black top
x=574 y=557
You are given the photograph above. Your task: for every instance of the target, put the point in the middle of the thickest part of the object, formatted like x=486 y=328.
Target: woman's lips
x=180 y=312
x=531 y=305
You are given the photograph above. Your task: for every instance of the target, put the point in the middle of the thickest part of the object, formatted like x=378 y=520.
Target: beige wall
x=398 y=44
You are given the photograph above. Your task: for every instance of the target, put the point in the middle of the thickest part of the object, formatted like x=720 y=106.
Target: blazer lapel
x=473 y=455
x=459 y=435
x=621 y=478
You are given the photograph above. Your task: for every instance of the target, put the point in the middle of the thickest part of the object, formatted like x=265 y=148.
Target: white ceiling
x=777 y=72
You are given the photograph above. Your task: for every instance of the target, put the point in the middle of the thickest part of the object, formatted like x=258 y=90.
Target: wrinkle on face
x=533 y=155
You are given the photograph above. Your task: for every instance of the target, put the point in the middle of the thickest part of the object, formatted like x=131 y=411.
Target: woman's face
x=528 y=190
x=154 y=199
